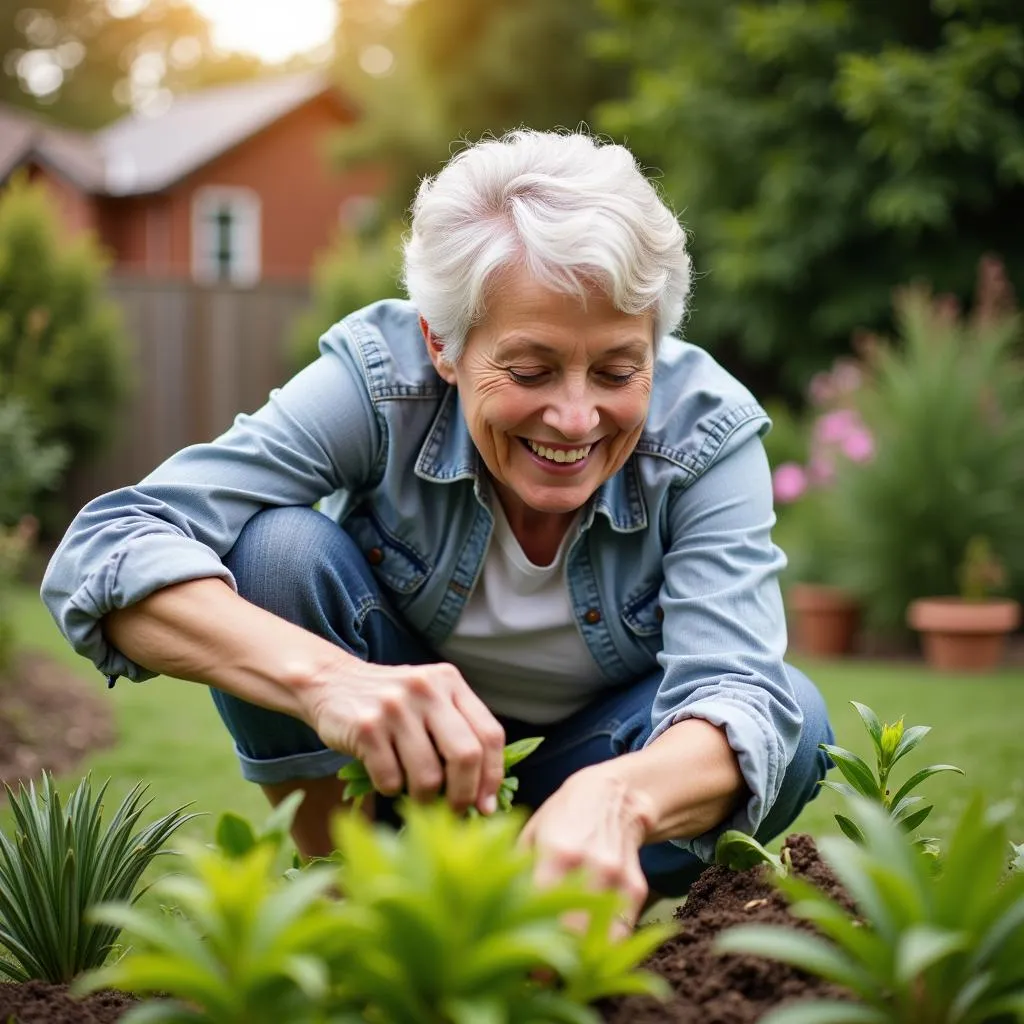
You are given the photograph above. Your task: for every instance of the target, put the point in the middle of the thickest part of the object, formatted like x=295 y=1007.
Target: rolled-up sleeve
x=317 y=434
x=724 y=630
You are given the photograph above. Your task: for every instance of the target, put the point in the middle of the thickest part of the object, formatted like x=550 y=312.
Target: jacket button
x=592 y=617
x=375 y=556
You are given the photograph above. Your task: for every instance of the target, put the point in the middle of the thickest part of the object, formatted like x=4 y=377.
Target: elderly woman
x=539 y=513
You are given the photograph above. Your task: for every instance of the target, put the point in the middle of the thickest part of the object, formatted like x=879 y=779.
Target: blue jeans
x=301 y=566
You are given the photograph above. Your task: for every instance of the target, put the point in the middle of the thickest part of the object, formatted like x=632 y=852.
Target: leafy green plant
x=461 y=931
x=944 y=408
x=358 y=784
x=58 y=864
x=741 y=852
x=242 y=946
x=923 y=948
x=981 y=573
x=891 y=743
x=439 y=924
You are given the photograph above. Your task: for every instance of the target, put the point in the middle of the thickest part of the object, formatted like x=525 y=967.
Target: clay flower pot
x=963 y=636
x=825 y=619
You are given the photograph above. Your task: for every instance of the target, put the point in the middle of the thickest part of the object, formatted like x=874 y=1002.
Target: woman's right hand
x=417 y=727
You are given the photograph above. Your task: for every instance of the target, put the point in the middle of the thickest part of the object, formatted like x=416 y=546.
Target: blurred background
x=192 y=192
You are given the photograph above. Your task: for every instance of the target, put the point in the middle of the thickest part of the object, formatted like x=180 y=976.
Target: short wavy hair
x=576 y=212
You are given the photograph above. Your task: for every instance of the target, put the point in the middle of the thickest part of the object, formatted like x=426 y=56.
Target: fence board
x=200 y=355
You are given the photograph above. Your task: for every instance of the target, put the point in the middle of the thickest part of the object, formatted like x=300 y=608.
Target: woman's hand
x=594 y=822
x=418 y=727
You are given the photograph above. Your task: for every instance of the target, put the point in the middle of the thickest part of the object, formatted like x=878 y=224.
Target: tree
x=430 y=73
x=822 y=152
x=80 y=64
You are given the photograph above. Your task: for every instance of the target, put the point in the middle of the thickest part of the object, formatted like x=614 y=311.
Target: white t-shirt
x=516 y=642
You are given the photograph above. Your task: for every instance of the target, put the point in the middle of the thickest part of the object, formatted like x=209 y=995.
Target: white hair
x=577 y=213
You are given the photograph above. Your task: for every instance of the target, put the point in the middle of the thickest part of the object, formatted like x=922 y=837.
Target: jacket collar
x=448 y=454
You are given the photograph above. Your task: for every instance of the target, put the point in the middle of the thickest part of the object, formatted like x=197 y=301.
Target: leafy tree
x=78 y=63
x=61 y=344
x=432 y=72
x=822 y=151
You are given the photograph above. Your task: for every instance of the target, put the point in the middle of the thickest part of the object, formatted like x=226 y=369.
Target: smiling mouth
x=559 y=456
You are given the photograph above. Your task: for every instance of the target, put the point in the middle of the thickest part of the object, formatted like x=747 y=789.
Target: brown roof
x=139 y=154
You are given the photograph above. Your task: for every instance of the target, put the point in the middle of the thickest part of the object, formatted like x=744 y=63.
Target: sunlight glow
x=272 y=30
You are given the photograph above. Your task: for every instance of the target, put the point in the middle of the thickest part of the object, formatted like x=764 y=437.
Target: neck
x=539 y=533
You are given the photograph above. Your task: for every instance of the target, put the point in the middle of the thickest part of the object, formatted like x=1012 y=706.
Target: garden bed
x=38 y=1002
x=710 y=988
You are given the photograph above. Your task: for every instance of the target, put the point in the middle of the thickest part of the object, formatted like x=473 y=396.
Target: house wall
x=288 y=166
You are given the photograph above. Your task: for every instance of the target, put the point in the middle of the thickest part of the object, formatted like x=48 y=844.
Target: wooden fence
x=200 y=356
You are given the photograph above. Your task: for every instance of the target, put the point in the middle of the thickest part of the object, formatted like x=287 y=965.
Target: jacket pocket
x=398 y=566
x=642 y=617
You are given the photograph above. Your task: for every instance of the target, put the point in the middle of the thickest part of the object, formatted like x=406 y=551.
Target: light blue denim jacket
x=672 y=563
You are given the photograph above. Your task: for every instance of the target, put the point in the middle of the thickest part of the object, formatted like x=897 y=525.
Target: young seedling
x=891 y=742
x=358 y=784
x=737 y=850
x=922 y=947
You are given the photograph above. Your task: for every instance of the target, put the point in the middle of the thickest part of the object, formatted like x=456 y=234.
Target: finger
x=382 y=765
x=462 y=753
x=491 y=736
x=421 y=766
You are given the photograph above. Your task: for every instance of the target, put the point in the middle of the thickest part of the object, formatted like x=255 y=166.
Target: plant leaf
x=922 y=946
x=855 y=769
x=742 y=852
x=520 y=750
x=235 y=835
x=850 y=829
x=871 y=723
x=911 y=738
x=821 y=1011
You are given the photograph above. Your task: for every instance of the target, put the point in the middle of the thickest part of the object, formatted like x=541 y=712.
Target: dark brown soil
x=37 y=1002
x=709 y=988
x=49 y=719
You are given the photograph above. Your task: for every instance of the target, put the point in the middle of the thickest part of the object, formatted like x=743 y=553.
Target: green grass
x=171 y=737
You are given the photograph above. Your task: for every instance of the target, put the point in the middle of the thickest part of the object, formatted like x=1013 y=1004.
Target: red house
x=231 y=184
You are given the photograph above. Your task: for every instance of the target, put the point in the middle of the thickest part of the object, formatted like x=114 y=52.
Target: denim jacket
x=672 y=562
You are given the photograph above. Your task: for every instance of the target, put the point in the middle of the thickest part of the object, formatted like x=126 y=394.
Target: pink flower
x=858 y=445
x=834 y=427
x=789 y=481
x=822 y=469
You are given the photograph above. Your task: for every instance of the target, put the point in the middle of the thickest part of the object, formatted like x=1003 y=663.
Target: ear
x=435 y=349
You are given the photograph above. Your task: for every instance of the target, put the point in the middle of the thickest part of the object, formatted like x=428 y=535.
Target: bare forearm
x=686 y=782
x=204 y=632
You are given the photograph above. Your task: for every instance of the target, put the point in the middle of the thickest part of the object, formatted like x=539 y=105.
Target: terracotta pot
x=963 y=636
x=825 y=619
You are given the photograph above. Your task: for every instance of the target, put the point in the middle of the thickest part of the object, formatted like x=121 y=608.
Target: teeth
x=559 y=454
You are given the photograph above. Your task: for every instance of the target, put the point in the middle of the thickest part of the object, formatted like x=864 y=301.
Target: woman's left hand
x=594 y=822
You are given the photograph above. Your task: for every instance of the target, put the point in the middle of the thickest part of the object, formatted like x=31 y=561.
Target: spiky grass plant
x=59 y=862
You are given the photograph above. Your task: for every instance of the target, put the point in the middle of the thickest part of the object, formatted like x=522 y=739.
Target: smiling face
x=555 y=395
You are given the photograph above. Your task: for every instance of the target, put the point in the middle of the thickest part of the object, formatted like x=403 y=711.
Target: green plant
x=353 y=273
x=923 y=948
x=440 y=924
x=461 y=931
x=29 y=465
x=358 y=784
x=981 y=573
x=944 y=408
x=62 y=347
x=15 y=544
x=242 y=946
x=58 y=864
x=741 y=852
x=891 y=743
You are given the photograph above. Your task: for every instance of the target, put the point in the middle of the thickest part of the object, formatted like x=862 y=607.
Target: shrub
x=355 y=272
x=946 y=412
x=62 y=350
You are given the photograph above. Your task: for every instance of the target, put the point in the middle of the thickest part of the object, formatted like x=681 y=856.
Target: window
x=226 y=236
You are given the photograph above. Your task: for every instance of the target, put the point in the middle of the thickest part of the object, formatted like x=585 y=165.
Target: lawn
x=171 y=737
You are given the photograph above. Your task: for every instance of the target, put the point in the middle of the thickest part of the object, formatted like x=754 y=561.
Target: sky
x=273 y=30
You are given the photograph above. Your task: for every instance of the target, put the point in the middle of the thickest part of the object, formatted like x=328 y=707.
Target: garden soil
x=710 y=988
x=707 y=988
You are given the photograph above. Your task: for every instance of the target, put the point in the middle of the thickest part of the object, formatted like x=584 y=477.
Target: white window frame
x=247 y=210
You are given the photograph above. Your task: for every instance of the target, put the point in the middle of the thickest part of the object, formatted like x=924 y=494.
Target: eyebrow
x=522 y=346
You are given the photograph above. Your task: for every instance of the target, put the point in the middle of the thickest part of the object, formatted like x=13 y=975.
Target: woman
x=539 y=514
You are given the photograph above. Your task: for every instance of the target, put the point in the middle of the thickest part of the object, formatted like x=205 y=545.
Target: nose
x=572 y=412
